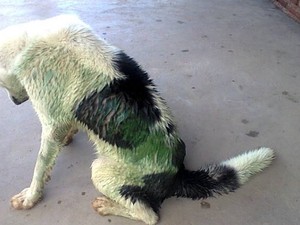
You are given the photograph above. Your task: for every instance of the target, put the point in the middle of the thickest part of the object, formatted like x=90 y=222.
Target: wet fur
x=74 y=79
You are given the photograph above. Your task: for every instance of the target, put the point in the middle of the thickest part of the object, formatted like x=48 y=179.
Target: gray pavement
x=230 y=72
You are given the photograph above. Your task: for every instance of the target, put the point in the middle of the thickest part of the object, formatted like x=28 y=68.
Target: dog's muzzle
x=17 y=101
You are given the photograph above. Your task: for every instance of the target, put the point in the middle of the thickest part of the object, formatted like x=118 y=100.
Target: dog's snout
x=17 y=101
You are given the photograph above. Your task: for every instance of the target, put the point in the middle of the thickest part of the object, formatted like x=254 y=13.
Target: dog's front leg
x=51 y=143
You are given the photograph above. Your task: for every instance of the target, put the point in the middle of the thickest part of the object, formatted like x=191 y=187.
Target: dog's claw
x=23 y=200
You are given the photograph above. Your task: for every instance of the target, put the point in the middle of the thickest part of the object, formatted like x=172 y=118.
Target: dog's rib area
x=123 y=107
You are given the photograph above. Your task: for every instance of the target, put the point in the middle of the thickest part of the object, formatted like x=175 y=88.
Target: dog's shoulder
x=126 y=104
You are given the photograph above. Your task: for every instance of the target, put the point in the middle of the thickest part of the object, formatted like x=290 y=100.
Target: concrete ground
x=230 y=71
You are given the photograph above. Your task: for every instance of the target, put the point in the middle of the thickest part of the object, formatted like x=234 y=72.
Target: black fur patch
x=204 y=183
x=170 y=128
x=124 y=110
x=137 y=87
x=136 y=193
x=153 y=193
x=179 y=154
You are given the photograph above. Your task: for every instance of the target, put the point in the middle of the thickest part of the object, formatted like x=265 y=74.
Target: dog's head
x=12 y=43
x=16 y=91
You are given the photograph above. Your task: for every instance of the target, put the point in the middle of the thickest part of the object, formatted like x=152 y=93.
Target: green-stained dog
x=74 y=79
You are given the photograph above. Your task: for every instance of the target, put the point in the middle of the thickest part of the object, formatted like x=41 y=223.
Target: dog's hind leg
x=108 y=177
x=51 y=143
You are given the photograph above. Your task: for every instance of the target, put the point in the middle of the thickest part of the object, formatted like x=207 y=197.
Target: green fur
x=60 y=68
x=152 y=152
x=117 y=121
x=131 y=130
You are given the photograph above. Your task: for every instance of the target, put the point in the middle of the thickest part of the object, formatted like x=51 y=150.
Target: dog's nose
x=18 y=102
x=15 y=100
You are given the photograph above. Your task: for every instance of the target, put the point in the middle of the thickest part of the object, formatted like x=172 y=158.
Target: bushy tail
x=223 y=178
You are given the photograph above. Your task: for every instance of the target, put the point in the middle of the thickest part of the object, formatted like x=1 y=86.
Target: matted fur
x=75 y=79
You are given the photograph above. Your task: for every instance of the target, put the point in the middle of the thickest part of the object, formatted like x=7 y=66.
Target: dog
x=75 y=80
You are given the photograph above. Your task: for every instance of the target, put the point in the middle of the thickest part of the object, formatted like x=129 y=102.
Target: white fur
x=37 y=61
x=69 y=33
x=14 y=39
x=250 y=163
x=45 y=60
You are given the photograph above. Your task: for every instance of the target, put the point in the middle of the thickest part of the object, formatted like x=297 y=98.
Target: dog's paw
x=103 y=206
x=25 y=200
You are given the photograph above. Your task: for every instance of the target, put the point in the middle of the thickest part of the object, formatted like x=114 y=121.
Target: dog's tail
x=223 y=178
